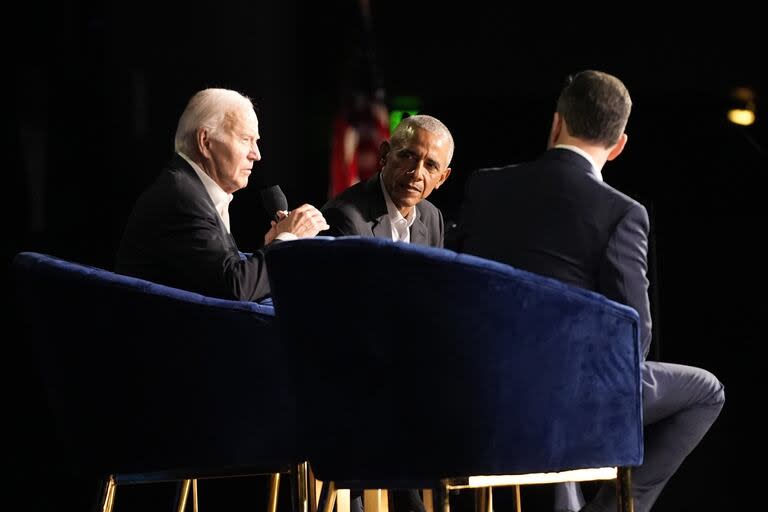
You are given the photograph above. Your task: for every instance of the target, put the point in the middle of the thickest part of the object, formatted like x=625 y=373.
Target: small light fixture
x=742 y=110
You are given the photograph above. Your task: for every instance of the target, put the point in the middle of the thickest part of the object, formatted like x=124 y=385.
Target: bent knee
x=693 y=385
x=712 y=389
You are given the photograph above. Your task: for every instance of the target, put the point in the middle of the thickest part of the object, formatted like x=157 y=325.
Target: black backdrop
x=97 y=87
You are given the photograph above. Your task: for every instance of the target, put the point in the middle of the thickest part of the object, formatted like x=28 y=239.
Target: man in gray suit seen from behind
x=556 y=217
x=393 y=203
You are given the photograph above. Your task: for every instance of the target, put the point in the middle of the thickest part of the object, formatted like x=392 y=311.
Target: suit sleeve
x=249 y=278
x=340 y=222
x=200 y=257
x=623 y=275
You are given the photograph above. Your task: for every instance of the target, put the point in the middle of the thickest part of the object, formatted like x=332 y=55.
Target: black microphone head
x=274 y=200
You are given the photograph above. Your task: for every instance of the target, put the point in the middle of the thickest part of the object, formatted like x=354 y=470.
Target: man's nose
x=416 y=169
x=254 y=153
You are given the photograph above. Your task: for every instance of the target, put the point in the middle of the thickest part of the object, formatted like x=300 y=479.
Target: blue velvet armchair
x=475 y=368
x=151 y=383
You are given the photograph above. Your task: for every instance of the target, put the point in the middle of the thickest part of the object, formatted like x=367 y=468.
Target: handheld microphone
x=274 y=200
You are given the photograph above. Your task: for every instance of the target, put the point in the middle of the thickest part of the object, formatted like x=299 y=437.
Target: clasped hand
x=304 y=222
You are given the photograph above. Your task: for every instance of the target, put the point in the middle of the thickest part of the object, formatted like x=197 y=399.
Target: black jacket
x=174 y=236
x=361 y=208
x=554 y=217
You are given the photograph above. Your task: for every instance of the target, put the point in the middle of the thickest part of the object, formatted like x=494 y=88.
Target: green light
x=406 y=103
x=401 y=105
x=395 y=116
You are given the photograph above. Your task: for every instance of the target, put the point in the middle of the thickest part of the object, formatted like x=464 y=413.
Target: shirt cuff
x=286 y=236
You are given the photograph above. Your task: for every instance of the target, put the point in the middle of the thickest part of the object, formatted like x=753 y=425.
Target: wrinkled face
x=414 y=166
x=230 y=152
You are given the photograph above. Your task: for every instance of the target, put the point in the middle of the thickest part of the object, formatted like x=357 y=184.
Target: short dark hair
x=595 y=106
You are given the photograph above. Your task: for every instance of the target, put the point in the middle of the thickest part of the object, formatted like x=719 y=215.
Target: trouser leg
x=680 y=404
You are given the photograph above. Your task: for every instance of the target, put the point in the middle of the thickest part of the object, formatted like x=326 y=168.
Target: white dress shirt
x=220 y=198
x=400 y=227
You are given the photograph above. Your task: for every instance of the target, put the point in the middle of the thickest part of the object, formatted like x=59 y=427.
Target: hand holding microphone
x=304 y=221
x=274 y=201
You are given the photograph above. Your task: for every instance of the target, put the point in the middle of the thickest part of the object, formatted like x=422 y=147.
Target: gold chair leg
x=108 y=500
x=375 y=500
x=343 y=500
x=301 y=488
x=518 y=500
x=315 y=491
x=274 y=487
x=624 y=500
x=183 y=493
x=194 y=495
x=481 y=499
x=312 y=487
x=428 y=497
x=330 y=499
x=484 y=499
x=443 y=497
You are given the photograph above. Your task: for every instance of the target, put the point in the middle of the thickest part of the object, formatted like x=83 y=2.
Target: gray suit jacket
x=361 y=209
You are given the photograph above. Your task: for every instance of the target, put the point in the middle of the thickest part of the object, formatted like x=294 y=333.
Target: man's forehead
x=435 y=143
x=243 y=119
x=417 y=135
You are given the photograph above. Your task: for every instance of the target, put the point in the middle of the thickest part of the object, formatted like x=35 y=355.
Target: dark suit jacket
x=174 y=236
x=361 y=209
x=554 y=217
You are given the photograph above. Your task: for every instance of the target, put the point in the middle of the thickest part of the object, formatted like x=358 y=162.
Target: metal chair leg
x=314 y=490
x=108 y=498
x=343 y=500
x=624 y=500
x=484 y=499
x=481 y=499
x=183 y=493
x=274 y=487
x=301 y=490
x=374 y=500
x=330 y=497
x=443 y=497
x=428 y=497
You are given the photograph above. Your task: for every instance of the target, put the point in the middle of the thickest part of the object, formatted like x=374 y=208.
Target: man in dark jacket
x=556 y=217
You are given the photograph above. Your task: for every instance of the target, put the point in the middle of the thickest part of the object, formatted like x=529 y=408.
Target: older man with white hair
x=179 y=231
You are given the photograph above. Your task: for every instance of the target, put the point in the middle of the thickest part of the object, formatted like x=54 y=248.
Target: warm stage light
x=741 y=116
x=742 y=110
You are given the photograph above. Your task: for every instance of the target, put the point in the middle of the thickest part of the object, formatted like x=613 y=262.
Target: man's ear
x=383 y=152
x=203 y=139
x=618 y=147
x=554 y=131
x=446 y=173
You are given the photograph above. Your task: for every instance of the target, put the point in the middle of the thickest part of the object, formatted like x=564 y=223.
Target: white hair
x=207 y=109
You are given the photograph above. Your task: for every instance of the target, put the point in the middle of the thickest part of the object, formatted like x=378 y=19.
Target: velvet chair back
x=149 y=382
x=421 y=363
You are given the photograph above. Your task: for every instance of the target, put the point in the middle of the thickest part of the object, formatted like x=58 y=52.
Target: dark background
x=97 y=88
